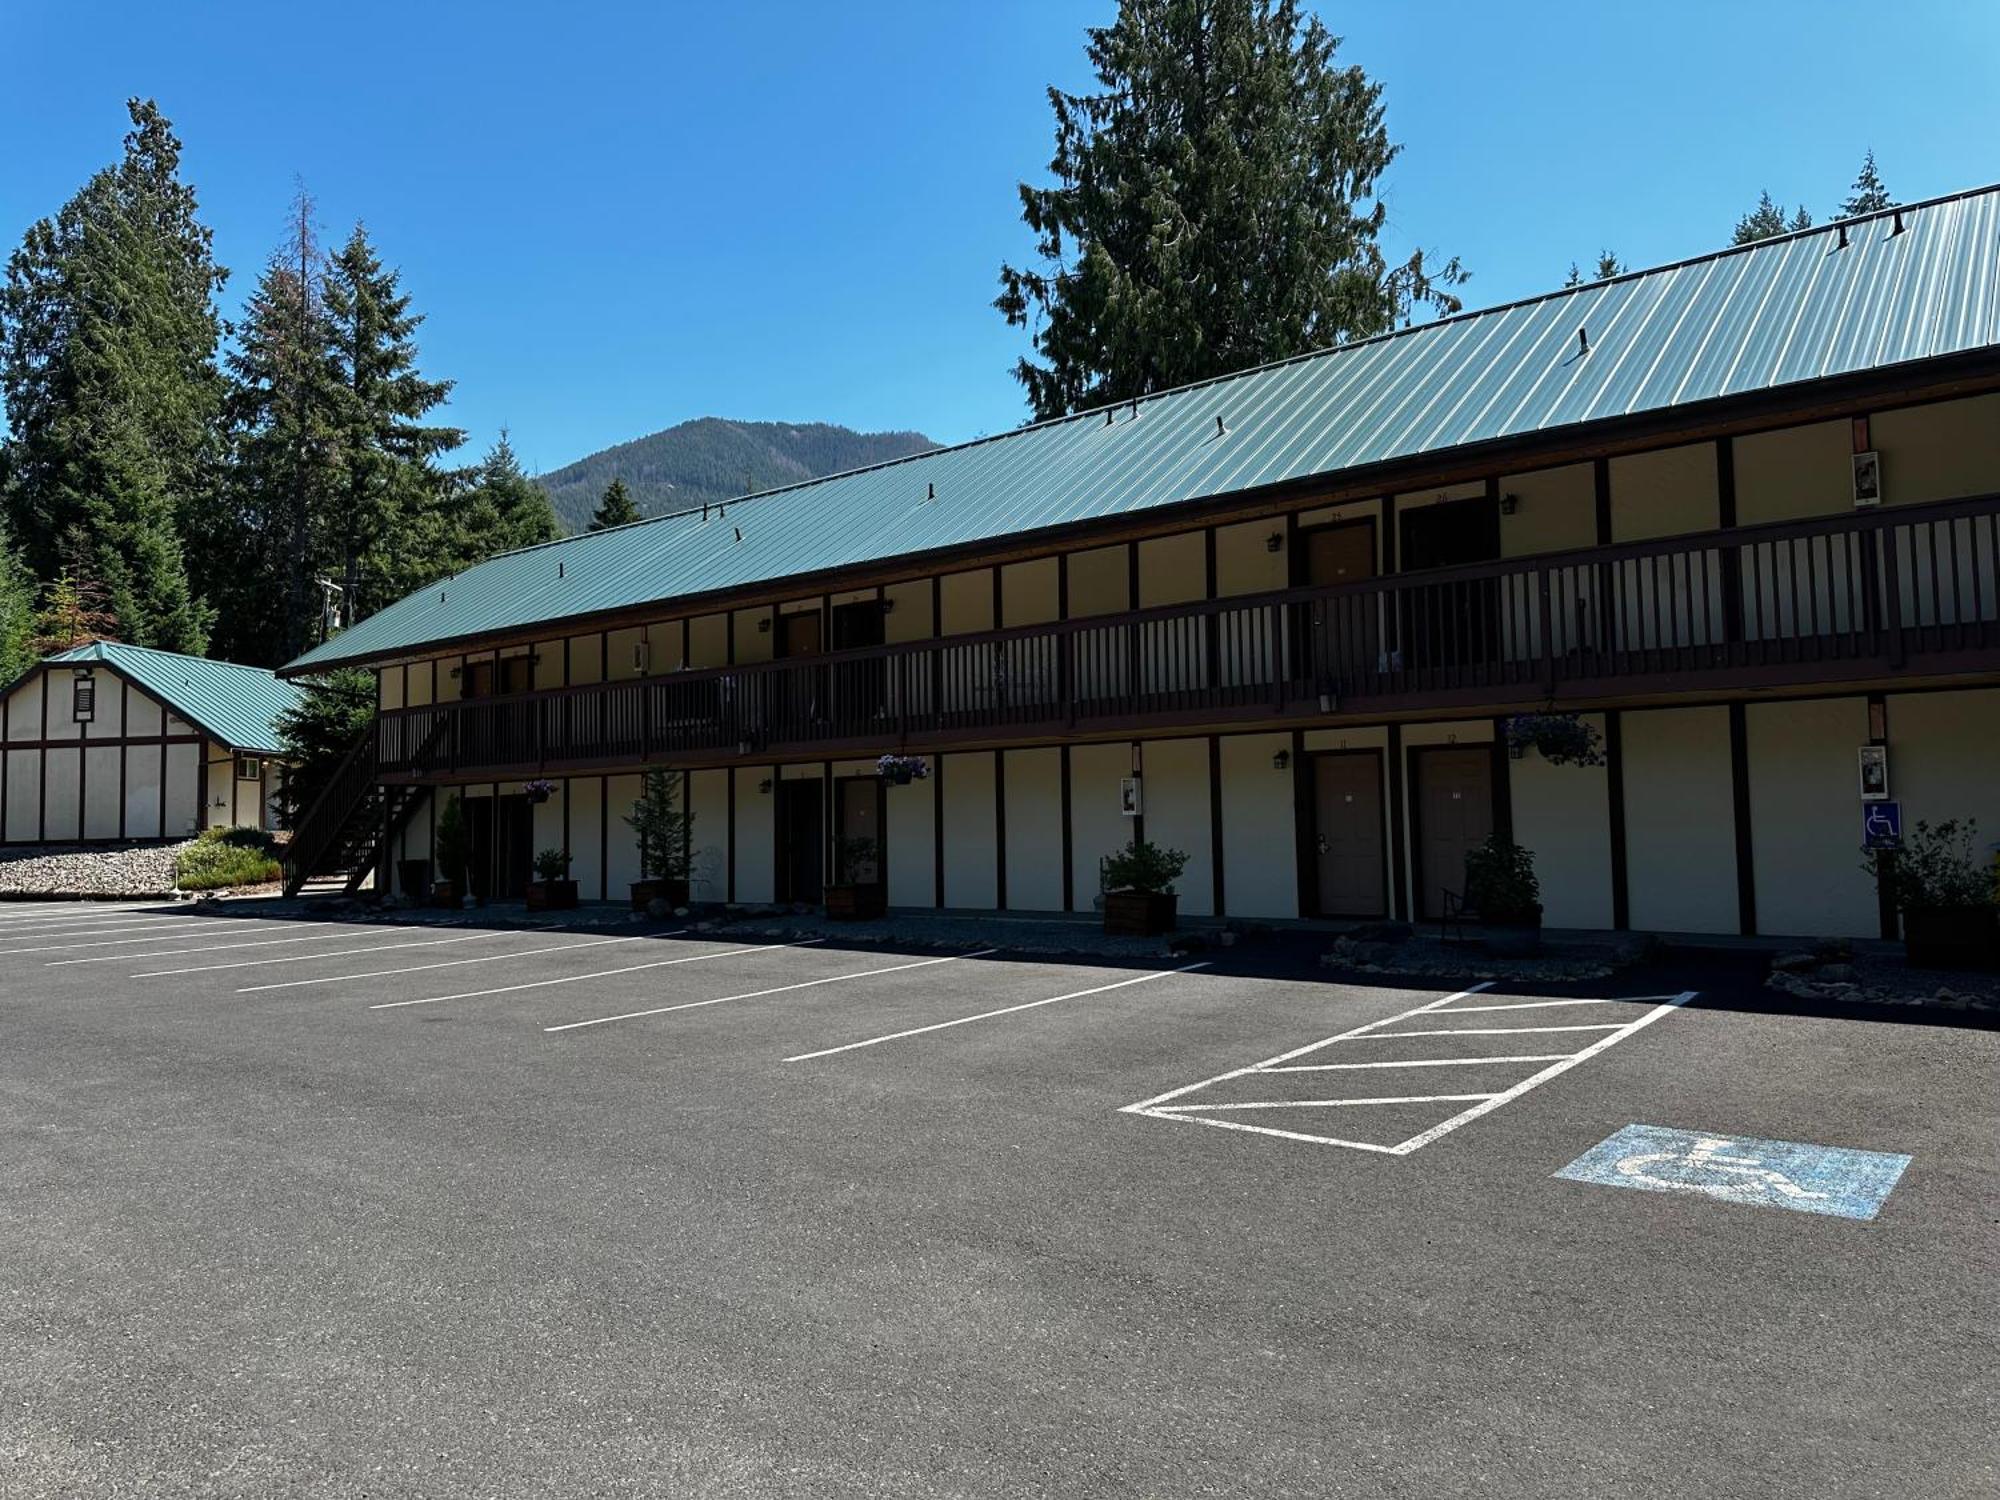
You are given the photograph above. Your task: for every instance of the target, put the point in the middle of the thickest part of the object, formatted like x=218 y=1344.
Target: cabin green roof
x=1919 y=283
x=235 y=704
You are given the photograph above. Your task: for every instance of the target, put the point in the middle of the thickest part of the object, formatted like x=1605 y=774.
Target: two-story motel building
x=1743 y=512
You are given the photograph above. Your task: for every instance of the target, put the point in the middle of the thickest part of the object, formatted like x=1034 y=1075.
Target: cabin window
x=249 y=768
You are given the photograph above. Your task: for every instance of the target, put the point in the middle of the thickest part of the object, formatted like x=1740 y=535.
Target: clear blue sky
x=618 y=217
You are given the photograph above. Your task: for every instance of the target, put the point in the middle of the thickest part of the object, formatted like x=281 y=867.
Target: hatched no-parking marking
x=1219 y=1114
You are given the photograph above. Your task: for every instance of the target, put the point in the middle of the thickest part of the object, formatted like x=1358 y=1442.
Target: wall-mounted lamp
x=764 y=786
x=764 y=625
x=1275 y=542
x=1509 y=504
x=888 y=606
x=1282 y=761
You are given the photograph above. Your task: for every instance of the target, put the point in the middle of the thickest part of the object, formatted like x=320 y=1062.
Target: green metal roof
x=237 y=705
x=1888 y=289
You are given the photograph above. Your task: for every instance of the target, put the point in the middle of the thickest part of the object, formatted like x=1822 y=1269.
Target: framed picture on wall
x=1874 y=773
x=1867 y=478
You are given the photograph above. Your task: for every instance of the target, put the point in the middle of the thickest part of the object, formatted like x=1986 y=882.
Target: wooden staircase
x=340 y=839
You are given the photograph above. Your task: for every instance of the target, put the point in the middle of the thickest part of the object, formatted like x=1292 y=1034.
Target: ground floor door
x=801 y=841
x=1454 y=811
x=500 y=846
x=1347 y=795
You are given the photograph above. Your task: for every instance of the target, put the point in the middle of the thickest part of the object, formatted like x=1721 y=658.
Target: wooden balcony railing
x=1841 y=597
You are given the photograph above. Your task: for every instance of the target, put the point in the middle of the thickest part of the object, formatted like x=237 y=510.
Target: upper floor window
x=83 y=699
x=249 y=768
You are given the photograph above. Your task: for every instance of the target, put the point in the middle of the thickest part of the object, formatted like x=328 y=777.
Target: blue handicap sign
x=1740 y=1169
x=1882 y=825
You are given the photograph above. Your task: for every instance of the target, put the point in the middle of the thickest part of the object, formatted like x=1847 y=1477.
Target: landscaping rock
x=89 y=870
x=1795 y=963
x=1382 y=932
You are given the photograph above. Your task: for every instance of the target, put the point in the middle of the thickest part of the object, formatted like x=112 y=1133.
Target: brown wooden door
x=1454 y=816
x=801 y=841
x=801 y=690
x=1340 y=554
x=1347 y=792
x=1346 y=634
x=859 y=799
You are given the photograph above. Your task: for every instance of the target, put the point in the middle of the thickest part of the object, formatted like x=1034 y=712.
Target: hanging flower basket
x=901 y=770
x=1560 y=739
x=539 y=791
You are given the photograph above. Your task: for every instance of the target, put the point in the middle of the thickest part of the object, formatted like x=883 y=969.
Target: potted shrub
x=1560 y=739
x=552 y=889
x=1138 y=880
x=901 y=770
x=666 y=841
x=1500 y=885
x=449 y=845
x=1946 y=897
x=849 y=899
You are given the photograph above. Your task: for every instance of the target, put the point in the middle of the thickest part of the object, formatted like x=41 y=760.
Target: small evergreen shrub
x=225 y=857
x=1500 y=883
x=1144 y=868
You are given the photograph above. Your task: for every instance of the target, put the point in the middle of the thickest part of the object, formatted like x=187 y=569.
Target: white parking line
x=314 y=958
x=1380 y=1036
x=47 y=928
x=783 y=989
x=445 y=963
x=101 y=941
x=1160 y=1108
x=537 y=984
x=133 y=958
x=1420 y=1062
x=987 y=1015
x=78 y=912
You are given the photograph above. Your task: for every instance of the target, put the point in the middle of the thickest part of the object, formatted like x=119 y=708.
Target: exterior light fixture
x=1275 y=542
x=1282 y=761
x=764 y=786
x=764 y=625
x=1509 y=504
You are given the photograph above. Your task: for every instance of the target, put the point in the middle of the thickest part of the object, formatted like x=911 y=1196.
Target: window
x=83 y=699
x=249 y=768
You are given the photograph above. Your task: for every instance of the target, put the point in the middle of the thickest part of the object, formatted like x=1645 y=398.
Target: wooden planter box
x=1513 y=938
x=1967 y=938
x=552 y=895
x=646 y=892
x=413 y=878
x=444 y=893
x=1139 y=913
x=856 y=903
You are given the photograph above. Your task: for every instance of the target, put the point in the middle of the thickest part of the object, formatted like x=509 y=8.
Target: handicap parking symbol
x=1739 y=1169
x=1882 y=825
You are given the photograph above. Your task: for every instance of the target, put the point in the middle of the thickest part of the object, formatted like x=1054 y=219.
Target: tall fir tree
x=1215 y=207
x=391 y=488
x=1767 y=220
x=499 y=509
x=17 y=610
x=258 y=544
x=108 y=332
x=615 y=509
x=1868 y=195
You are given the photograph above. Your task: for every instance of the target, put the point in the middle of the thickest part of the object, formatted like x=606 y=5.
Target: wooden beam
x=1739 y=783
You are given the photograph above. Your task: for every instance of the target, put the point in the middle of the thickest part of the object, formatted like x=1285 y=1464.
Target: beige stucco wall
x=24 y=711
x=142 y=792
x=1557 y=510
x=1805 y=818
x=1177 y=815
x=908 y=616
x=1097 y=827
x=24 y=780
x=909 y=812
x=1172 y=569
x=1563 y=815
x=1099 y=582
x=1794 y=472
x=1259 y=842
x=966 y=600
x=1666 y=492
x=1034 y=830
x=1680 y=827
x=1944 y=757
x=586 y=808
x=622 y=792
x=708 y=865
x=1244 y=562
x=1030 y=593
x=756 y=876
x=969 y=833
x=1939 y=452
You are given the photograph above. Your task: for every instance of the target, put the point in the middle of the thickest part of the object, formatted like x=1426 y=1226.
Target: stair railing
x=318 y=831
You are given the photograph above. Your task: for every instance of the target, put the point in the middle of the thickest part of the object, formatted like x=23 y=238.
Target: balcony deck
x=1871 y=595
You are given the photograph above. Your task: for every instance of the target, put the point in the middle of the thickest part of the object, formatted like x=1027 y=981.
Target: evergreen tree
x=74 y=611
x=390 y=487
x=1767 y=220
x=316 y=733
x=1868 y=195
x=1608 y=266
x=615 y=509
x=1216 y=207
x=17 y=611
x=108 y=332
x=498 y=510
x=259 y=541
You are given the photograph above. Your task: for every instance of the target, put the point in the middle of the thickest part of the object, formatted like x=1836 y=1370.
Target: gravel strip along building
x=1740 y=514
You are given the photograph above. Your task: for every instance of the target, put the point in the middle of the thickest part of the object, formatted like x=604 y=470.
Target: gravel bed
x=1396 y=948
x=89 y=870
x=1833 y=973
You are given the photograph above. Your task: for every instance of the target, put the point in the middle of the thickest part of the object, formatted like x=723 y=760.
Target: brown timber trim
x=1503 y=781
x=1801 y=404
x=1068 y=836
x=1614 y=788
x=1399 y=828
x=937 y=828
x=1739 y=786
x=1600 y=486
x=729 y=835
x=1305 y=809
x=999 y=822
x=42 y=764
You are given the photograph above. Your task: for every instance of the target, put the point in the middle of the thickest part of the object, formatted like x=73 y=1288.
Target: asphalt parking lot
x=299 y=1207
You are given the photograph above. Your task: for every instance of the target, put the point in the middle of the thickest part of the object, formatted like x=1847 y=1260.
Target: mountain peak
x=708 y=459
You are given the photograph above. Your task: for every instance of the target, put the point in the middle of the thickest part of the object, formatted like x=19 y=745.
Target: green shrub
x=223 y=857
x=1500 y=883
x=551 y=865
x=1936 y=869
x=1143 y=867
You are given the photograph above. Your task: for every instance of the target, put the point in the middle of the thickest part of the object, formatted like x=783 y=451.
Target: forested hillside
x=712 y=459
